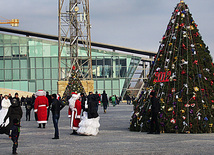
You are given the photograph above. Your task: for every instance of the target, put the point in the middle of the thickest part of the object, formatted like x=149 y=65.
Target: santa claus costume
x=74 y=112
x=40 y=107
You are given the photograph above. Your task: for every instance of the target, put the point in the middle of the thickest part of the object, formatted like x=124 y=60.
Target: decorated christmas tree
x=74 y=84
x=182 y=75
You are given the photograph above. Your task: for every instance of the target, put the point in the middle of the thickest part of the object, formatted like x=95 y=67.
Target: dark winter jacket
x=92 y=106
x=83 y=99
x=18 y=101
x=14 y=111
x=56 y=107
x=155 y=105
x=104 y=98
x=28 y=104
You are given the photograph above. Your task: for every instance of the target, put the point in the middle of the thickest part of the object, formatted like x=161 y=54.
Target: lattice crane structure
x=74 y=26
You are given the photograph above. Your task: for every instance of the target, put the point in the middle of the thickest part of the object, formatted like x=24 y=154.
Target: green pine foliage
x=74 y=85
x=182 y=76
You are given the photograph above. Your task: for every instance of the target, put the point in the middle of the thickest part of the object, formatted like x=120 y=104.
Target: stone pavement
x=114 y=138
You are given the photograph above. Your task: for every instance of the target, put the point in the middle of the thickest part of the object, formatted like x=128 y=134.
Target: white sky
x=131 y=23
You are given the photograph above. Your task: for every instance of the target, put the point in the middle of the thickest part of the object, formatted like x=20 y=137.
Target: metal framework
x=74 y=23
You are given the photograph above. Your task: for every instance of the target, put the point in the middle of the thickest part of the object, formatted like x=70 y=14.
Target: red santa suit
x=40 y=106
x=74 y=111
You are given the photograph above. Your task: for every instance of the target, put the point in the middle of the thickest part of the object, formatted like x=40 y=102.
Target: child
x=14 y=134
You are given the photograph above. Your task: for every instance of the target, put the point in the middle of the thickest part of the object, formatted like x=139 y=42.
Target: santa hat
x=74 y=93
x=40 y=93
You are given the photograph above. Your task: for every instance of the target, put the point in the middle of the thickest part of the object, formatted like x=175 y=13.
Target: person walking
x=104 y=99
x=14 y=112
x=17 y=98
x=128 y=98
x=14 y=135
x=155 y=110
x=55 y=109
x=40 y=107
x=28 y=107
x=113 y=99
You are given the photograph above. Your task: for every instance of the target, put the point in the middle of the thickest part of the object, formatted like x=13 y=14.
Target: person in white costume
x=89 y=124
x=3 y=112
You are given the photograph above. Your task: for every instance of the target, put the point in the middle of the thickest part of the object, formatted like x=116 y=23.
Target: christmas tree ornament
x=173 y=90
x=170 y=109
x=187 y=105
x=173 y=121
x=196 y=89
x=182 y=111
x=205 y=118
x=184 y=117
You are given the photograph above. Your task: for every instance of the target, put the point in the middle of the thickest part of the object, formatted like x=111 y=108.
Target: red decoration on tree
x=184 y=46
x=162 y=76
x=73 y=67
x=195 y=62
x=196 y=34
x=183 y=72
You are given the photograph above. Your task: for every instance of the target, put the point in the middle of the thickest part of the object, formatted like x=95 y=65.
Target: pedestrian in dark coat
x=17 y=98
x=97 y=99
x=1 y=98
x=56 y=107
x=92 y=106
x=155 y=111
x=14 y=112
x=104 y=99
x=28 y=107
x=14 y=135
x=83 y=100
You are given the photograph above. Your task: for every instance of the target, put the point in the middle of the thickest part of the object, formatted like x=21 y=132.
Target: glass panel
x=1 y=74
x=15 y=63
x=47 y=63
x=2 y=64
x=54 y=85
x=8 y=64
x=32 y=74
x=15 y=51
x=2 y=85
x=46 y=51
x=8 y=85
x=32 y=51
x=39 y=63
x=100 y=84
x=116 y=92
x=32 y=62
x=116 y=84
x=54 y=50
x=38 y=51
x=32 y=87
x=24 y=74
x=8 y=75
x=24 y=85
x=16 y=74
x=108 y=92
x=39 y=84
x=54 y=62
x=47 y=74
x=47 y=85
x=54 y=73
x=23 y=50
x=39 y=73
x=1 y=51
x=16 y=85
x=107 y=84
x=23 y=63
x=7 y=51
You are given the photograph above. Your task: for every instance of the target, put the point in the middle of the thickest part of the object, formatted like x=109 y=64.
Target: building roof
x=93 y=44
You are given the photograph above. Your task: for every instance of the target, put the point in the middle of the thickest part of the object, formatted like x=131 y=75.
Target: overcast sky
x=131 y=23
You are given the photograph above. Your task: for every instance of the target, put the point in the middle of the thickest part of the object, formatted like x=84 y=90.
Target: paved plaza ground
x=114 y=138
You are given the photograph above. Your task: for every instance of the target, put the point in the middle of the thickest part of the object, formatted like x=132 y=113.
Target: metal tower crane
x=74 y=25
x=12 y=22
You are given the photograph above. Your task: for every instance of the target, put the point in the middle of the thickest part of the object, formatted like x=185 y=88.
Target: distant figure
x=14 y=135
x=155 y=110
x=83 y=102
x=97 y=99
x=17 y=98
x=133 y=98
x=40 y=107
x=74 y=112
x=104 y=99
x=10 y=97
x=3 y=112
x=22 y=101
x=28 y=107
x=14 y=112
x=128 y=98
x=55 y=108
x=1 y=98
x=113 y=99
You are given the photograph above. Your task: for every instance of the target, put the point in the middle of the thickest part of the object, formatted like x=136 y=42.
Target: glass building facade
x=29 y=64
